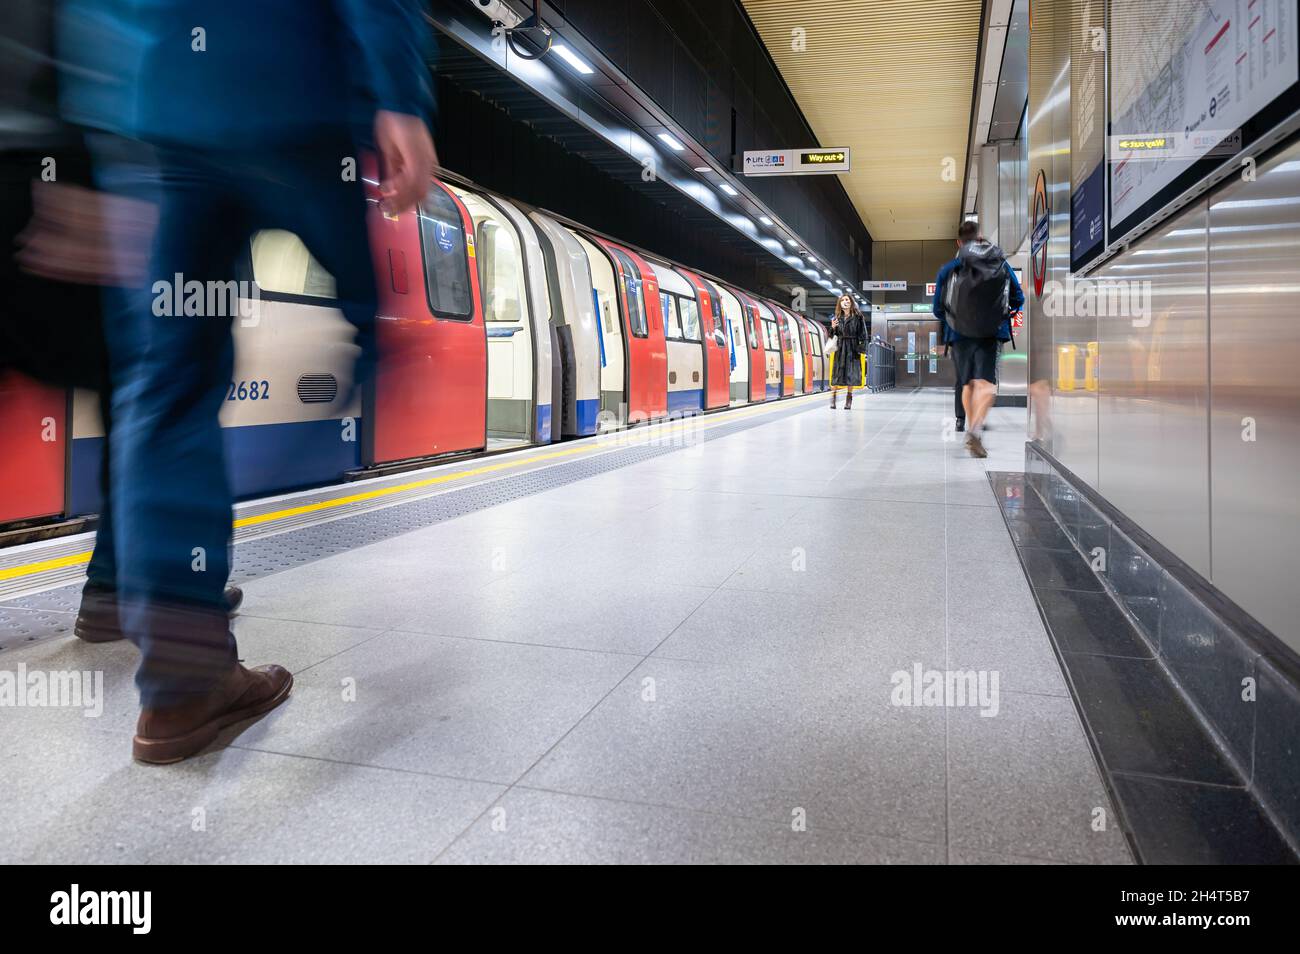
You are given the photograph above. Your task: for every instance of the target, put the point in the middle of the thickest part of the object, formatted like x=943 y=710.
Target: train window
x=634 y=294
x=715 y=308
x=690 y=318
x=446 y=263
x=672 y=325
x=753 y=335
x=500 y=276
x=772 y=335
x=282 y=264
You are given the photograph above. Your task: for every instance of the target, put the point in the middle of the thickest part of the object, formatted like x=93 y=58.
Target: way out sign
x=795 y=162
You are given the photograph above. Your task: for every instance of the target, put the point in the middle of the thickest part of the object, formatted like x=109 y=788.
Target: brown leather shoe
x=97 y=619
x=174 y=733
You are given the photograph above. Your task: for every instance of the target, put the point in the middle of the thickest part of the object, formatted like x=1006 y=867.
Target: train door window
x=634 y=294
x=773 y=336
x=500 y=276
x=690 y=318
x=283 y=265
x=715 y=311
x=753 y=333
x=672 y=318
x=446 y=263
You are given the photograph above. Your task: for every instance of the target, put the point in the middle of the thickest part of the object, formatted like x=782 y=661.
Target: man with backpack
x=974 y=297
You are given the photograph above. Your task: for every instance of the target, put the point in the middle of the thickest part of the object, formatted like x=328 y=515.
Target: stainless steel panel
x=1013 y=366
x=1255 y=341
x=988 y=201
x=1154 y=387
x=1063 y=417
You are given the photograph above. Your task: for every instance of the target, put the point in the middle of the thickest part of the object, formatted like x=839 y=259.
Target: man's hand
x=406 y=160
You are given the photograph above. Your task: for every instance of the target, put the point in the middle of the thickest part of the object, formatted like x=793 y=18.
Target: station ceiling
x=893 y=81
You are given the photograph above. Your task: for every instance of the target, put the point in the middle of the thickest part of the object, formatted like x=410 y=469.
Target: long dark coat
x=847 y=370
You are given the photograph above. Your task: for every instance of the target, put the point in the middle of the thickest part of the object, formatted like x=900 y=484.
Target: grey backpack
x=977 y=293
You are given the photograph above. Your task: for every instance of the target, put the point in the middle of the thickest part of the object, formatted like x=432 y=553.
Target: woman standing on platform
x=850 y=330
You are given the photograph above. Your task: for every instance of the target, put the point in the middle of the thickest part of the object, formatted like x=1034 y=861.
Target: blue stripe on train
x=773 y=392
x=587 y=411
x=260 y=459
x=685 y=401
x=543 y=432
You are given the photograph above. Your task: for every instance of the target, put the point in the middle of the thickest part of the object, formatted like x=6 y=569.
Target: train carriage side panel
x=717 y=358
x=430 y=393
x=733 y=317
x=683 y=331
x=794 y=341
x=539 y=300
x=34 y=438
x=773 y=352
x=759 y=366
x=501 y=259
x=574 y=317
x=646 y=349
x=787 y=351
x=612 y=401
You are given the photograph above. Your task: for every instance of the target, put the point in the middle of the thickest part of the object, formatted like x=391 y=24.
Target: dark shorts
x=975 y=359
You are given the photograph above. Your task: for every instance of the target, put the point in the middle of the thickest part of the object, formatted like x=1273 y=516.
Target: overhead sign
x=885 y=286
x=795 y=162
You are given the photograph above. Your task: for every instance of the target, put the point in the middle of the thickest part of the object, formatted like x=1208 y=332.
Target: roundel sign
x=1041 y=216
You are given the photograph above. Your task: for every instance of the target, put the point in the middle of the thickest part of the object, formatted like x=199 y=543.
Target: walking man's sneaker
x=975 y=445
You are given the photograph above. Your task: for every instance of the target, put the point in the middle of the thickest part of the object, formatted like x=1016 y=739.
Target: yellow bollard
x=1065 y=367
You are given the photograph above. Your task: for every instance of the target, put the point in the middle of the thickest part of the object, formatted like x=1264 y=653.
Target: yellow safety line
x=40 y=566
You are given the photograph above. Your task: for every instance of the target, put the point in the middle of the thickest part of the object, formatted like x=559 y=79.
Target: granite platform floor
x=695 y=658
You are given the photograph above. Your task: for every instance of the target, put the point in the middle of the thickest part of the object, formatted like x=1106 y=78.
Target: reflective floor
x=695 y=657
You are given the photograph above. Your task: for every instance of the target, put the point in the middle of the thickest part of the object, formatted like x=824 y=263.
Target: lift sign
x=796 y=162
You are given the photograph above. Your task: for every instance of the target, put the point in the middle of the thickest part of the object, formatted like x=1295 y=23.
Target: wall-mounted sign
x=795 y=162
x=929 y=288
x=1041 y=217
x=922 y=307
x=885 y=286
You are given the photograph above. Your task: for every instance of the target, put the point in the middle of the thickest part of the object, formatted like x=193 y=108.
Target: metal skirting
x=303 y=533
x=1196 y=767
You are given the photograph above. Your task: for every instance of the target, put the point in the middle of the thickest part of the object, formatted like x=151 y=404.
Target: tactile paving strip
x=51 y=613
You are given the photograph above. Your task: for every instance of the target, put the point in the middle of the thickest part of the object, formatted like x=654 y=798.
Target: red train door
x=787 y=353
x=429 y=396
x=717 y=359
x=34 y=435
x=805 y=329
x=754 y=346
x=643 y=326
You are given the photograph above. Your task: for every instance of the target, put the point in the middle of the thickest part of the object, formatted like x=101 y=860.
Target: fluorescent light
x=727 y=189
x=670 y=142
x=703 y=169
x=566 y=54
x=765 y=220
x=811 y=260
x=792 y=243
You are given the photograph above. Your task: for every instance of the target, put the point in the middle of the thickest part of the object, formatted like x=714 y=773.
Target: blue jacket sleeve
x=388 y=35
x=1017 y=297
x=947 y=334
